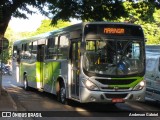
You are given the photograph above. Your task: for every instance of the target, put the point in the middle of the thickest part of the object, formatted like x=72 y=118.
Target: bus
x=100 y=62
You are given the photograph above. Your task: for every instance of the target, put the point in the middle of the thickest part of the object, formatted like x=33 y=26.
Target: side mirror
x=4 y=43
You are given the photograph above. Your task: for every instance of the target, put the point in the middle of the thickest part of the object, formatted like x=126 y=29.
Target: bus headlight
x=140 y=85
x=90 y=85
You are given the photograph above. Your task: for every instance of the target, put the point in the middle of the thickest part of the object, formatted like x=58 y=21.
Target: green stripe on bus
x=52 y=71
x=133 y=84
x=38 y=71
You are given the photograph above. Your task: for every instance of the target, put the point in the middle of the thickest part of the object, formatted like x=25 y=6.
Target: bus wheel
x=25 y=83
x=62 y=95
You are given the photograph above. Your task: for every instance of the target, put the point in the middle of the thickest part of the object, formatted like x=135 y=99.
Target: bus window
x=113 y=55
x=26 y=53
x=63 y=47
x=34 y=50
x=52 y=45
x=15 y=49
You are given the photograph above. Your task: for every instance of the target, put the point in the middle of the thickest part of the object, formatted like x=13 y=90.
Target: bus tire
x=25 y=83
x=62 y=94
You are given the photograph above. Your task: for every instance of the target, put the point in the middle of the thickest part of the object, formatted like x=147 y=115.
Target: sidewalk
x=6 y=102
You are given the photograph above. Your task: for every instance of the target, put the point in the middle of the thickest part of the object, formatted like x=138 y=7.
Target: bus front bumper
x=111 y=96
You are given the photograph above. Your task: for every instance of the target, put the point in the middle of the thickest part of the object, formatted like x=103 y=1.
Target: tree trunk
x=3 y=26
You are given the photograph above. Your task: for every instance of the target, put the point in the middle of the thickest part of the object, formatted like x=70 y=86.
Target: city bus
x=100 y=62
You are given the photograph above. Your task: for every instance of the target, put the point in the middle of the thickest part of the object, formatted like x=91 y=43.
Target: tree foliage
x=140 y=11
x=152 y=30
x=46 y=26
x=147 y=15
x=100 y=10
x=87 y=10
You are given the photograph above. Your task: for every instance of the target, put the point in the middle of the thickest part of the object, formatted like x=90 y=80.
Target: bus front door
x=75 y=69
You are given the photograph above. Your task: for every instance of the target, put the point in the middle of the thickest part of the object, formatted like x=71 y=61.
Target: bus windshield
x=114 y=57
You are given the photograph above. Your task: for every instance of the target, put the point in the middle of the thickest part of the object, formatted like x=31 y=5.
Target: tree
x=100 y=10
x=86 y=10
x=139 y=11
x=46 y=26
x=152 y=30
x=147 y=16
x=16 y=8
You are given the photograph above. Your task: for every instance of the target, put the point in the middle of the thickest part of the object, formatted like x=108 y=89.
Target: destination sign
x=114 y=30
x=122 y=30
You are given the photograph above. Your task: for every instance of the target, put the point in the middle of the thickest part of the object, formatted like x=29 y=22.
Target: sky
x=31 y=24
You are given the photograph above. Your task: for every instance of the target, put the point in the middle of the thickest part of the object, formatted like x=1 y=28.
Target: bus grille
x=120 y=88
x=116 y=95
x=115 y=81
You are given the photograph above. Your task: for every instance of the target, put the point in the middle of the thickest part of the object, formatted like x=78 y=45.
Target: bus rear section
x=113 y=63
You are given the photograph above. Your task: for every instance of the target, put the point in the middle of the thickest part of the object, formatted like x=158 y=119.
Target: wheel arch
x=59 y=82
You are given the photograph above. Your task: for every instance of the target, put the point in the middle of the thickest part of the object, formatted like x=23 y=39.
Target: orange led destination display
x=114 y=30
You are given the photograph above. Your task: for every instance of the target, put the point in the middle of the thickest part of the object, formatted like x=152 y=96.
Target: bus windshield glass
x=114 y=57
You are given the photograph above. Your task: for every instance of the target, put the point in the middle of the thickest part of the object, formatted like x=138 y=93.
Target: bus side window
x=18 y=56
x=63 y=50
x=34 y=50
x=14 y=55
x=26 y=51
x=23 y=51
x=51 y=51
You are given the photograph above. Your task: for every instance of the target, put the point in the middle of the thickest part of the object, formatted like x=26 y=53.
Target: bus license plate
x=117 y=100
